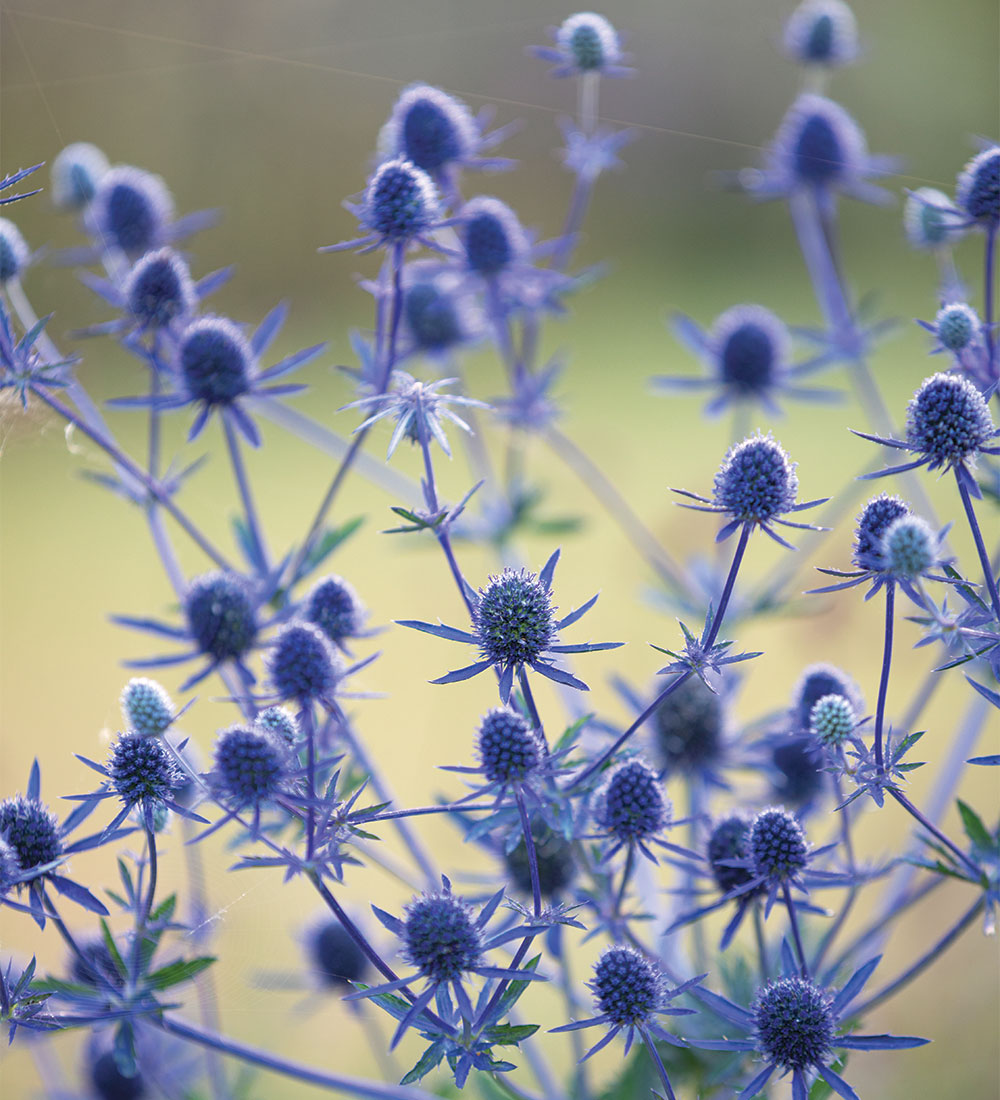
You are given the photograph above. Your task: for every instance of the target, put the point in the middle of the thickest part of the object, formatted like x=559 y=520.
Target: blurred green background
x=269 y=111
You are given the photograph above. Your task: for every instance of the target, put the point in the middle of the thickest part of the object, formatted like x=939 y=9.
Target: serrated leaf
x=509 y=1035
x=974 y=828
x=174 y=973
x=430 y=1059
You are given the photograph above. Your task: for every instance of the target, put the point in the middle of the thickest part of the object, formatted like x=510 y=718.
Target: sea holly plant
x=718 y=842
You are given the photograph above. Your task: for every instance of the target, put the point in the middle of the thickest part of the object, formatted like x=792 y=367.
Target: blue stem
x=246 y=495
x=793 y=920
x=661 y=1069
x=529 y=847
x=883 y=685
x=984 y=558
x=991 y=239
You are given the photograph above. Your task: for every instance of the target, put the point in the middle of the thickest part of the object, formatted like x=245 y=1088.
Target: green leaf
x=174 y=973
x=513 y=992
x=429 y=1060
x=974 y=828
x=570 y=732
x=509 y=1035
x=109 y=943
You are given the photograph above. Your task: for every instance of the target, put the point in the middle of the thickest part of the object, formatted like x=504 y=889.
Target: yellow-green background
x=269 y=111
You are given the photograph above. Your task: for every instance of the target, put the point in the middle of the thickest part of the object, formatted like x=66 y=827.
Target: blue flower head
x=159 y=289
x=977 y=191
x=585 y=43
x=822 y=32
x=797 y=778
x=628 y=987
x=817 y=681
x=947 y=421
x=215 y=361
x=777 y=846
x=751 y=347
x=110 y=1083
x=31 y=831
x=75 y=174
x=439 y=315
x=794 y=1023
x=492 y=237
x=250 y=767
x=14 y=251
x=632 y=808
x=509 y=749
x=400 y=202
x=910 y=549
x=442 y=938
x=688 y=727
x=334 y=607
x=147 y=707
x=956 y=326
x=335 y=956
x=832 y=721
x=10 y=866
x=875 y=519
x=221 y=615
x=279 y=723
x=554 y=857
x=728 y=841
x=430 y=128
x=930 y=221
x=303 y=665
x=142 y=771
x=131 y=210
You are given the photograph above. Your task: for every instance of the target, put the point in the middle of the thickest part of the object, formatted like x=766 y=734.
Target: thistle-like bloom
x=930 y=221
x=977 y=190
x=336 y=609
x=446 y=943
x=585 y=43
x=512 y=757
x=956 y=327
x=147 y=707
x=418 y=409
x=304 y=666
x=131 y=210
x=14 y=251
x=795 y=1025
x=819 y=149
x=515 y=627
x=335 y=956
x=822 y=33
x=279 y=723
x=75 y=174
x=756 y=485
x=875 y=519
x=630 y=991
x=440 y=313
x=947 y=424
x=832 y=722
x=159 y=289
x=215 y=367
x=252 y=768
x=747 y=355
x=910 y=550
x=554 y=858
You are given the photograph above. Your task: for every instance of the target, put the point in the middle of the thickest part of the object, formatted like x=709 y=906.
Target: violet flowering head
x=75 y=174
x=430 y=128
x=509 y=749
x=822 y=33
x=875 y=519
x=930 y=219
x=957 y=326
x=441 y=936
x=400 y=202
x=778 y=848
x=492 y=236
x=554 y=857
x=910 y=549
x=796 y=777
x=439 y=313
x=335 y=956
x=751 y=346
x=832 y=721
x=159 y=290
x=947 y=421
x=631 y=804
x=142 y=772
x=10 y=866
x=221 y=615
x=688 y=727
x=628 y=986
x=131 y=210
x=31 y=830
x=335 y=608
x=146 y=707
x=514 y=618
x=109 y=1082
x=303 y=665
x=729 y=841
x=817 y=681
x=250 y=768
x=278 y=723
x=794 y=1023
x=585 y=43
x=977 y=190
x=14 y=251
x=215 y=361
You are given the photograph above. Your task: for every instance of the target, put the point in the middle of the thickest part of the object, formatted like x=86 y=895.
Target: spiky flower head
x=794 y=1023
x=492 y=236
x=832 y=720
x=822 y=32
x=303 y=665
x=875 y=519
x=334 y=607
x=76 y=171
x=142 y=770
x=430 y=128
x=688 y=726
x=14 y=251
x=797 y=777
x=819 y=145
x=909 y=548
x=31 y=830
x=756 y=481
x=930 y=219
x=441 y=936
x=335 y=956
x=435 y=316
x=110 y=1083
x=514 y=619
x=509 y=749
x=977 y=191
x=131 y=210
x=778 y=845
x=10 y=866
x=215 y=360
x=729 y=840
x=279 y=723
x=631 y=804
x=750 y=347
x=221 y=616
x=947 y=420
x=589 y=42
x=250 y=767
x=400 y=201
x=815 y=682
x=628 y=987
x=957 y=325
x=146 y=707
x=554 y=857
x=159 y=289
